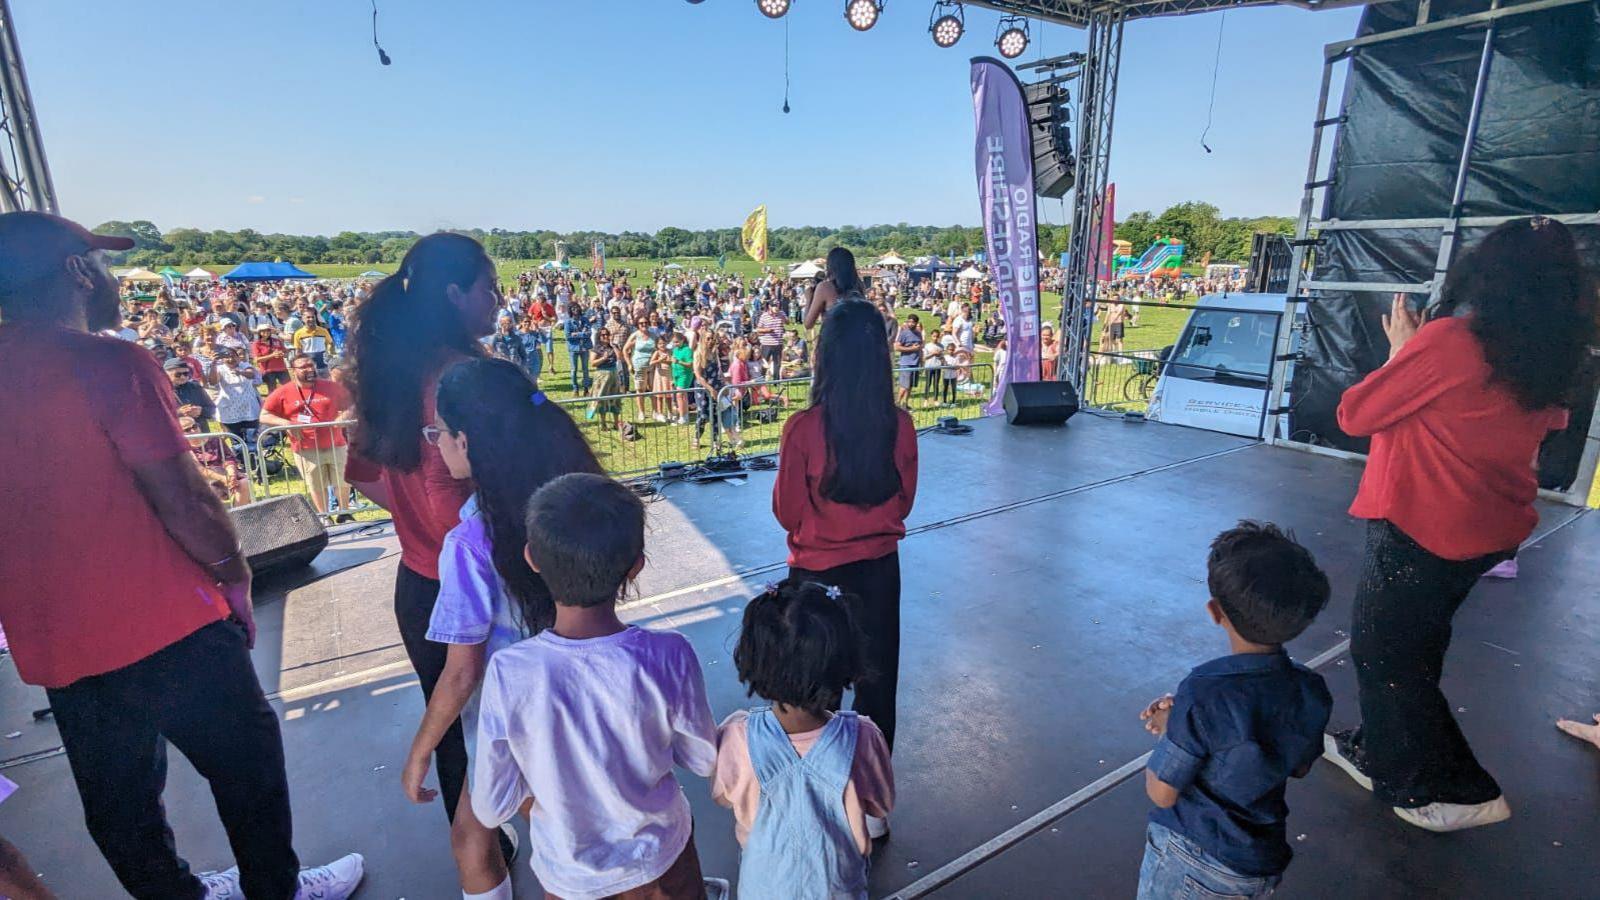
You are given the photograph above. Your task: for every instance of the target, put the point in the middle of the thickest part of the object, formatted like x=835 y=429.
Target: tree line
x=1198 y=224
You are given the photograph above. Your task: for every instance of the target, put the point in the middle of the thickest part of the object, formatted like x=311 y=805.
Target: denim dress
x=800 y=846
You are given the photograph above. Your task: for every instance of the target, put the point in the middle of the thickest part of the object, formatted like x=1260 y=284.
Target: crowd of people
x=246 y=357
x=541 y=703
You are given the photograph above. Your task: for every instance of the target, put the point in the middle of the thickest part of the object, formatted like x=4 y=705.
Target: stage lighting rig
x=947 y=23
x=1011 y=36
x=773 y=9
x=862 y=14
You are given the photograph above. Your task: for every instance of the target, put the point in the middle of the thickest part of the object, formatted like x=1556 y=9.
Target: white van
x=1217 y=376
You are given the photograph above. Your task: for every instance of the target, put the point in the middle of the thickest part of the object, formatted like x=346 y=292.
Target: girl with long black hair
x=847 y=477
x=1456 y=417
x=498 y=432
x=427 y=316
x=842 y=280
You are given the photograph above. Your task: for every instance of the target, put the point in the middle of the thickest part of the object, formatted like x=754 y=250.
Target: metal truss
x=24 y=175
x=1082 y=13
x=1097 y=107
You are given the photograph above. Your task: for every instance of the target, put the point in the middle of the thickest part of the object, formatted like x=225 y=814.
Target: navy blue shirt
x=1240 y=726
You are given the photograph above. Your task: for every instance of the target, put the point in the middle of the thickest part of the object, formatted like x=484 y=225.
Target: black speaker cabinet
x=279 y=533
x=1040 y=402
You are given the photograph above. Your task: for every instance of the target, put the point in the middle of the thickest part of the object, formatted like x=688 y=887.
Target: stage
x=1053 y=585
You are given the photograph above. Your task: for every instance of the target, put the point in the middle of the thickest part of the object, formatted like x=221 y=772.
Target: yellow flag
x=754 y=234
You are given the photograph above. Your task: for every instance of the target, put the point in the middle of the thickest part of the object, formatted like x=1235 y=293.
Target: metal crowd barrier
x=634 y=433
x=224 y=459
x=759 y=409
x=314 y=470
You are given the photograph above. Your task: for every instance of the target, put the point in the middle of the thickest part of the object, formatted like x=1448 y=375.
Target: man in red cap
x=126 y=595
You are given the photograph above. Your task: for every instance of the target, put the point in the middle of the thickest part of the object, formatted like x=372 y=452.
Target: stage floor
x=1053 y=584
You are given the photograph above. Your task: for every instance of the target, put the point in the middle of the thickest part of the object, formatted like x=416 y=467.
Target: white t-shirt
x=237 y=400
x=591 y=731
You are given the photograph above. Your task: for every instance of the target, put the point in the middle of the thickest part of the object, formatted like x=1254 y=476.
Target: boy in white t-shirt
x=580 y=726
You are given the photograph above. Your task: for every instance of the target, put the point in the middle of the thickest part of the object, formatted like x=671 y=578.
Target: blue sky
x=613 y=114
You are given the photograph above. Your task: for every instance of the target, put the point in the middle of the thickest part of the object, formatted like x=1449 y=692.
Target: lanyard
x=305 y=402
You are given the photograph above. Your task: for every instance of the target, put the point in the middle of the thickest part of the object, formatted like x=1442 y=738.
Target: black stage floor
x=1053 y=584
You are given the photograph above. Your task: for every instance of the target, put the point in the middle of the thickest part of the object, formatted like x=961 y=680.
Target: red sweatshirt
x=1452 y=461
x=426 y=501
x=824 y=534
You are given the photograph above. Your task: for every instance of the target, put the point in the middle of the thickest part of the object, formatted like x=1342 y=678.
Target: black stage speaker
x=1040 y=402
x=279 y=533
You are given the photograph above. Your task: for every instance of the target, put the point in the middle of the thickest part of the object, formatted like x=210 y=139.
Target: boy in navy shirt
x=1238 y=727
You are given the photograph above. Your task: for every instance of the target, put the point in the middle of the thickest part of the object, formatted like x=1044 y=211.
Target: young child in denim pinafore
x=800 y=778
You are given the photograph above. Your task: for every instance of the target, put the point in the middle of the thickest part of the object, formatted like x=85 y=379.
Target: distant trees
x=1198 y=224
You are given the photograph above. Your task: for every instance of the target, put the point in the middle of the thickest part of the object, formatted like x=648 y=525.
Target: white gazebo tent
x=139 y=275
x=892 y=260
x=970 y=273
x=805 y=270
x=200 y=273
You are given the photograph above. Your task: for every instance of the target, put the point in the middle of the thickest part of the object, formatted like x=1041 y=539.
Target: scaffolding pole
x=1097 y=106
x=24 y=174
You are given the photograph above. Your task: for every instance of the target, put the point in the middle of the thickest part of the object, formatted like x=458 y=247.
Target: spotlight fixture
x=1011 y=36
x=862 y=14
x=773 y=9
x=947 y=23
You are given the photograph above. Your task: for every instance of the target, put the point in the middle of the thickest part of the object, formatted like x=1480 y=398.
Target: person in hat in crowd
x=271 y=356
x=117 y=647
x=193 y=401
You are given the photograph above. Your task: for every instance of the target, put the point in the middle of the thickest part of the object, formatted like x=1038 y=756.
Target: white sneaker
x=877 y=828
x=1456 y=816
x=334 y=881
x=717 y=888
x=1332 y=753
x=222 y=885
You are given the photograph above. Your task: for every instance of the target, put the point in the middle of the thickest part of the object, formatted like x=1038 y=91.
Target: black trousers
x=1409 y=742
x=414 y=596
x=202 y=695
x=772 y=357
x=875 y=586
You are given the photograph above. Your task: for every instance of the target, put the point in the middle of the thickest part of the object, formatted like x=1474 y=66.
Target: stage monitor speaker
x=1040 y=402
x=280 y=532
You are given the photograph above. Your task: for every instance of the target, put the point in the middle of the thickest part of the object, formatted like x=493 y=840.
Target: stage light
x=773 y=9
x=1011 y=37
x=862 y=14
x=947 y=23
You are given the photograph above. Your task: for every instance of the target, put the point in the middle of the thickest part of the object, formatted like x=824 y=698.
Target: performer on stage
x=127 y=595
x=418 y=322
x=1456 y=417
x=847 y=477
x=842 y=281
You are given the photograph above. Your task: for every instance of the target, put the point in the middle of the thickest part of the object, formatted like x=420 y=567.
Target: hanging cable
x=1216 y=66
x=785 y=65
x=383 y=57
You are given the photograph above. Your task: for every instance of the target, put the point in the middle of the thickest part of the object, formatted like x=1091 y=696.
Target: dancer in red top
x=847 y=476
x=1456 y=417
x=419 y=321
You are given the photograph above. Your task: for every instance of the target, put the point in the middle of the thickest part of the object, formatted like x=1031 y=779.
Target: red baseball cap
x=34 y=244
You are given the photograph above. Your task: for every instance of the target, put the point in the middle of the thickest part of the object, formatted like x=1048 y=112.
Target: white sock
x=501 y=891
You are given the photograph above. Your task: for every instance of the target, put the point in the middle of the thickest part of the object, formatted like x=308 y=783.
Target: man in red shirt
x=269 y=353
x=319 y=453
x=126 y=594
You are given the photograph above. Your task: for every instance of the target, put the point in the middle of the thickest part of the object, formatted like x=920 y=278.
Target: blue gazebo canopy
x=266 y=271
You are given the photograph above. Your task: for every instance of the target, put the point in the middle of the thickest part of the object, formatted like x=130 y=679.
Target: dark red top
x=1452 y=461
x=426 y=502
x=259 y=349
x=824 y=534
x=90 y=580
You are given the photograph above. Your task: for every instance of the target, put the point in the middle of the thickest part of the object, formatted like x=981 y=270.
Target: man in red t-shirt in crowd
x=319 y=453
x=269 y=353
x=126 y=594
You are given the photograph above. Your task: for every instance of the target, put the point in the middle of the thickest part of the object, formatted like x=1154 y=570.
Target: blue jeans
x=1175 y=867
x=535 y=364
x=580 y=359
